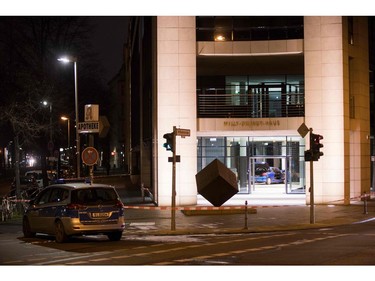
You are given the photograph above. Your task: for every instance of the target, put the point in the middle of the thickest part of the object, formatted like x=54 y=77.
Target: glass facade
x=241 y=153
x=227 y=28
x=250 y=96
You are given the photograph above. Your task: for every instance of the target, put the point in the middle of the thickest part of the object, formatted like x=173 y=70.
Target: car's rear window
x=260 y=170
x=95 y=195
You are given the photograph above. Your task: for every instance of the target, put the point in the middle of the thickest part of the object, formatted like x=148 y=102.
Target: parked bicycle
x=8 y=207
x=13 y=203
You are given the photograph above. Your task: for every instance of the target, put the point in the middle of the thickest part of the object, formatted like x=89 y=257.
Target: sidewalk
x=265 y=212
x=269 y=214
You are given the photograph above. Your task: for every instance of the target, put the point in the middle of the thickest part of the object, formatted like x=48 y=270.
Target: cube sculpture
x=216 y=183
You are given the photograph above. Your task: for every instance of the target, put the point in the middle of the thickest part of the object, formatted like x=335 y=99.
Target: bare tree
x=27 y=121
x=29 y=48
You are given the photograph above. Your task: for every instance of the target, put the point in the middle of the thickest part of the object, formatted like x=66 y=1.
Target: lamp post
x=78 y=153
x=64 y=118
x=50 y=144
x=69 y=153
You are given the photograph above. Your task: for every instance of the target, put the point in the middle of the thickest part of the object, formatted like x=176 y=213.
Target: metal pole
x=50 y=125
x=312 y=206
x=91 y=174
x=173 y=211
x=365 y=203
x=78 y=153
x=68 y=134
x=50 y=138
x=246 y=227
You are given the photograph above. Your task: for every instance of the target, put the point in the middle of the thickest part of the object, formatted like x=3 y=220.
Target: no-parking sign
x=90 y=156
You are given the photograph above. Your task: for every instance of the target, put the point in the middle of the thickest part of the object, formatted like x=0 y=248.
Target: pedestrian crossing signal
x=169 y=141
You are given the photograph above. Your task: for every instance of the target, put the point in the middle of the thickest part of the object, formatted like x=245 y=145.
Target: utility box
x=216 y=183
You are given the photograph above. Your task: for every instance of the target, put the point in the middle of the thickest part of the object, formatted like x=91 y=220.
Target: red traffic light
x=315 y=146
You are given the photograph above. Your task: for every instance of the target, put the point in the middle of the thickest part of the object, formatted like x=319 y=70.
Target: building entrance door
x=270 y=173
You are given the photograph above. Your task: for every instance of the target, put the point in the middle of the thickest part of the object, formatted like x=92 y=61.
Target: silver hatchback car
x=65 y=210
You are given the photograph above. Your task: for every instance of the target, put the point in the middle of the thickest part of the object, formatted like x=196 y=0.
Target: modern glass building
x=243 y=86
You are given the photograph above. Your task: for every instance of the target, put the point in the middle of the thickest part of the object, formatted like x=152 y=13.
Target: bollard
x=365 y=203
x=246 y=215
x=143 y=192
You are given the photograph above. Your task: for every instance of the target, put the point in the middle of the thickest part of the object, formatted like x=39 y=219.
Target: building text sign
x=249 y=124
x=88 y=127
x=253 y=123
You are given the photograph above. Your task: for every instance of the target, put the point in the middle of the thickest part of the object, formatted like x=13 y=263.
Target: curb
x=209 y=212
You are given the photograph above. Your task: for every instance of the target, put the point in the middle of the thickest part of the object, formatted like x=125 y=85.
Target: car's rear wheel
x=115 y=236
x=26 y=229
x=60 y=235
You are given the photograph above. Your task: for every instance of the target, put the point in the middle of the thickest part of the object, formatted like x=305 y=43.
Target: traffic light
x=316 y=146
x=169 y=141
x=308 y=155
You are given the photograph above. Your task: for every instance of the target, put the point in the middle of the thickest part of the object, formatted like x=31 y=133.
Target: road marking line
x=142 y=223
x=101 y=259
x=364 y=221
x=298 y=242
x=77 y=262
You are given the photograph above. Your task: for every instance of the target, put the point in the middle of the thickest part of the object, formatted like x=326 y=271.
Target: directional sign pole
x=90 y=157
x=303 y=130
x=91 y=167
x=175 y=158
x=312 y=206
x=173 y=211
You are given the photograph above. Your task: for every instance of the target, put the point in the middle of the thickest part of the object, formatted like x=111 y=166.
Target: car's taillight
x=75 y=206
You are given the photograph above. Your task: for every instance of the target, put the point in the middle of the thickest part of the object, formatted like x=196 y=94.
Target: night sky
x=108 y=37
x=108 y=40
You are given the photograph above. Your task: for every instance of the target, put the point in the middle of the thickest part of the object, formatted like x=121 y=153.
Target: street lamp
x=78 y=153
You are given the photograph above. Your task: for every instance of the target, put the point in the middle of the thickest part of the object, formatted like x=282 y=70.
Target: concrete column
x=328 y=90
x=326 y=100
x=176 y=106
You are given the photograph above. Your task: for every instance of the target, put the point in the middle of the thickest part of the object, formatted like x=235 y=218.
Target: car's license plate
x=102 y=215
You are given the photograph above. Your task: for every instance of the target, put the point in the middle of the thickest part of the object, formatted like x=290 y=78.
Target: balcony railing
x=215 y=103
x=251 y=34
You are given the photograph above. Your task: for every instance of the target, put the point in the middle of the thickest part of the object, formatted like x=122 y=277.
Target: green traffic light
x=169 y=141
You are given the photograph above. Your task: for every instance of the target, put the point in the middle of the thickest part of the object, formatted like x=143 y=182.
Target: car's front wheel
x=26 y=229
x=115 y=236
x=60 y=235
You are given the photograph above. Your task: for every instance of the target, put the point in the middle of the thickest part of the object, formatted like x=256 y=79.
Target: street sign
x=88 y=127
x=103 y=126
x=91 y=112
x=90 y=156
x=183 y=132
x=303 y=130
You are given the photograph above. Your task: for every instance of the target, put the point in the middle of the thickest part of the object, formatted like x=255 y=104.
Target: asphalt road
x=352 y=244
